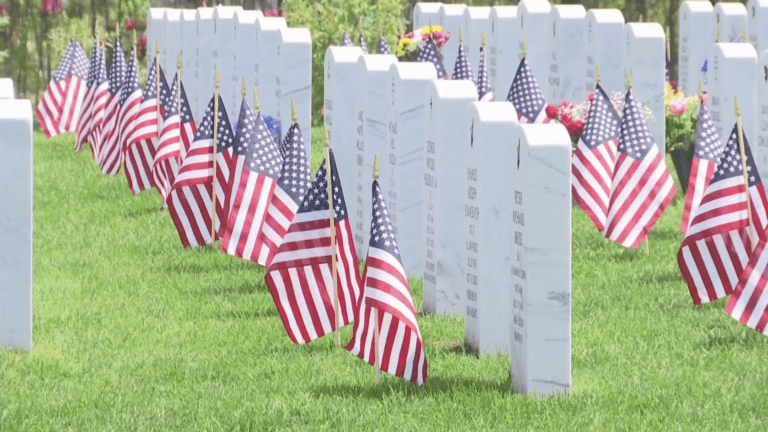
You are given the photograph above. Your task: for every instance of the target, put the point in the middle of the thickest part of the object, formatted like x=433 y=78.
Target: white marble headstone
x=340 y=109
x=267 y=30
x=477 y=21
x=155 y=29
x=503 y=56
x=373 y=90
x=760 y=147
x=644 y=56
x=604 y=42
x=733 y=71
x=404 y=159
x=695 y=35
x=423 y=12
x=245 y=56
x=541 y=261
x=188 y=57
x=16 y=224
x=6 y=89
x=732 y=19
x=451 y=19
x=444 y=291
x=757 y=24
x=568 y=56
x=206 y=39
x=224 y=54
x=293 y=81
x=490 y=140
x=170 y=44
x=533 y=18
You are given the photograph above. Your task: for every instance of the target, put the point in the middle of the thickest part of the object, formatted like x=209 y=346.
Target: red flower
x=673 y=84
x=142 y=41
x=552 y=111
x=591 y=97
x=274 y=13
x=129 y=24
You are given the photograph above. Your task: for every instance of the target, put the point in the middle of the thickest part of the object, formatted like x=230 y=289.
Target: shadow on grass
x=435 y=385
x=246 y=314
x=256 y=286
x=140 y=212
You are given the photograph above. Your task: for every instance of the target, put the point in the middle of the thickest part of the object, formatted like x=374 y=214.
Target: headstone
x=732 y=19
x=206 y=39
x=444 y=290
x=404 y=159
x=477 y=21
x=533 y=16
x=644 y=56
x=267 y=32
x=503 y=57
x=757 y=24
x=155 y=29
x=490 y=140
x=605 y=28
x=188 y=57
x=293 y=81
x=568 y=56
x=423 y=12
x=373 y=97
x=541 y=261
x=760 y=147
x=694 y=38
x=340 y=109
x=6 y=88
x=733 y=71
x=170 y=45
x=224 y=54
x=245 y=56
x=16 y=224
x=451 y=19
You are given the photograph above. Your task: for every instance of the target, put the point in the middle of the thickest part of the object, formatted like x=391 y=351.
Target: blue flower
x=704 y=66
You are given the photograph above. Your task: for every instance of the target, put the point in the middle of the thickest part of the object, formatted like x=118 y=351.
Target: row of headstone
x=274 y=59
x=575 y=42
x=449 y=162
x=15 y=220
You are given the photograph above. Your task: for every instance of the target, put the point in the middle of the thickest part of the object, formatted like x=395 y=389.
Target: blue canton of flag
x=383 y=46
x=461 y=69
x=429 y=53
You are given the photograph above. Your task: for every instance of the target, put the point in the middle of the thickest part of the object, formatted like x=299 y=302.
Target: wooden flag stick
x=629 y=80
x=294 y=113
x=157 y=86
x=525 y=48
x=178 y=82
x=717 y=33
x=332 y=217
x=376 y=338
x=215 y=147
x=701 y=91
x=482 y=39
x=597 y=74
x=744 y=35
x=740 y=135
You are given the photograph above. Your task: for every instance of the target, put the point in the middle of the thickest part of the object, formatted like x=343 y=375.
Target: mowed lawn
x=132 y=332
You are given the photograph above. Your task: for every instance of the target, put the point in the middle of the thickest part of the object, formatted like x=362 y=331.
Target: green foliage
x=327 y=21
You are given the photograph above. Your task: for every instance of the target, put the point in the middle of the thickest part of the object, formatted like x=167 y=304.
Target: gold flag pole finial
x=629 y=80
x=134 y=38
x=256 y=104
x=157 y=47
x=430 y=29
x=326 y=139
x=597 y=74
x=216 y=80
x=461 y=36
x=525 y=48
x=482 y=39
x=376 y=167
x=178 y=62
x=294 y=113
x=744 y=34
x=701 y=89
x=740 y=136
x=244 y=91
x=717 y=33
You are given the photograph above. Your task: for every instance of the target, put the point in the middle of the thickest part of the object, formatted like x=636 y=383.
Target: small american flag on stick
x=166 y=164
x=345 y=40
x=749 y=302
x=130 y=102
x=142 y=145
x=706 y=152
x=363 y=45
x=86 y=113
x=526 y=96
x=429 y=53
x=461 y=69
x=383 y=47
x=59 y=109
x=110 y=130
x=484 y=91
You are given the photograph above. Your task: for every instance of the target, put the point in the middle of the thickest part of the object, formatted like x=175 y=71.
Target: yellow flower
x=426 y=29
x=403 y=46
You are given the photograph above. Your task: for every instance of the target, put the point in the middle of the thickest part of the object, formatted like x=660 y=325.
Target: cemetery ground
x=132 y=332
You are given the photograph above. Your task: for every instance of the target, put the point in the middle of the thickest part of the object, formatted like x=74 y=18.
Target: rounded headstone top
x=697 y=6
x=453 y=89
x=172 y=14
x=534 y=6
x=156 y=13
x=204 y=13
x=16 y=109
x=451 y=10
x=550 y=134
x=478 y=12
x=248 y=16
x=6 y=88
x=504 y=12
x=645 y=30
x=493 y=112
x=226 y=12
x=188 y=14
x=734 y=50
x=758 y=3
x=605 y=15
x=731 y=8
x=572 y=11
x=376 y=62
x=427 y=7
x=413 y=70
x=295 y=35
x=271 y=23
x=343 y=54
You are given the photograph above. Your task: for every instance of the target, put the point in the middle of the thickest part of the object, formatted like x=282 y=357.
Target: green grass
x=132 y=332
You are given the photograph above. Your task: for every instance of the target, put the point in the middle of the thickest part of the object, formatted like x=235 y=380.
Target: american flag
x=110 y=132
x=167 y=160
x=429 y=53
x=59 y=109
x=594 y=159
x=706 y=152
x=188 y=128
x=292 y=185
x=363 y=45
x=130 y=102
x=461 y=69
x=345 y=40
x=86 y=112
x=484 y=91
x=642 y=187
x=526 y=96
x=717 y=245
x=383 y=47
x=98 y=106
x=386 y=289
x=257 y=164
x=749 y=301
x=189 y=202
x=300 y=275
x=142 y=145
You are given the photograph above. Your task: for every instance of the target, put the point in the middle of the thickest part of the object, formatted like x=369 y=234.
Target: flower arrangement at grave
x=681 y=114
x=409 y=44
